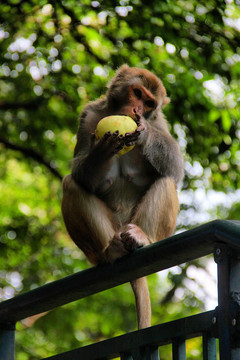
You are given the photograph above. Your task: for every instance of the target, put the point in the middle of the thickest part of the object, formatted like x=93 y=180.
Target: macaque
x=113 y=204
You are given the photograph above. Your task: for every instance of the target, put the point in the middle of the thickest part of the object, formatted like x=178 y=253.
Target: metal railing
x=221 y=238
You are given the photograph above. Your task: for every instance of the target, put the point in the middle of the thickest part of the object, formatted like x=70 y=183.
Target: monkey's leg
x=155 y=216
x=154 y=219
x=89 y=223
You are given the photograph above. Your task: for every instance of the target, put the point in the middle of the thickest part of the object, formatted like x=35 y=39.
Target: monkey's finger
x=114 y=145
x=130 y=143
x=114 y=139
x=129 y=242
x=103 y=141
x=106 y=136
x=116 y=149
x=119 y=148
x=124 y=236
x=130 y=139
x=129 y=136
x=141 y=128
x=120 y=141
x=107 y=143
x=133 y=135
x=111 y=143
x=110 y=139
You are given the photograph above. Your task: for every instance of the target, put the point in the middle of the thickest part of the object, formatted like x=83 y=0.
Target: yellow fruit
x=123 y=124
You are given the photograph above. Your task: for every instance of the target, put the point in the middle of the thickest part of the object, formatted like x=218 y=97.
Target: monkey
x=113 y=204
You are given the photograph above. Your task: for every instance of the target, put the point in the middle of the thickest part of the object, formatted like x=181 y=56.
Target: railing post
x=235 y=306
x=7 y=342
x=209 y=347
x=152 y=353
x=126 y=356
x=179 y=349
x=142 y=353
x=228 y=320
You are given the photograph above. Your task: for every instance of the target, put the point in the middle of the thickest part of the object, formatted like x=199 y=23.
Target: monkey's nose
x=137 y=112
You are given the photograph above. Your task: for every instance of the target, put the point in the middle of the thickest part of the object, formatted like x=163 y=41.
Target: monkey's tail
x=143 y=303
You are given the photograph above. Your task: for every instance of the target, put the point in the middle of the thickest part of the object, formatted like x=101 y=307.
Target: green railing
x=220 y=238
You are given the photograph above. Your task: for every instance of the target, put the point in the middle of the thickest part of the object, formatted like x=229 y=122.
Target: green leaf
x=226 y=120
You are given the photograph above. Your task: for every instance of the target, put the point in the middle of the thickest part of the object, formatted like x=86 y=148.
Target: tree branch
x=79 y=38
x=31 y=154
x=32 y=104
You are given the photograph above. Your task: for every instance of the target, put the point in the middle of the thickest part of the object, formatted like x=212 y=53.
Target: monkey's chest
x=126 y=182
x=124 y=171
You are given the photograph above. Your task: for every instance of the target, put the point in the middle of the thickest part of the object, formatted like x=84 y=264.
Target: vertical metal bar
x=152 y=353
x=229 y=302
x=142 y=353
x=235 y=307
x=178 y=349
x=235 y=354
x=126 y=356
x=221 y=257
x=137 y=354
x=209 y=347
x=7 y=342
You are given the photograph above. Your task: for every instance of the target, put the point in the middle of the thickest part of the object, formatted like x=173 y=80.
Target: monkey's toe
x=129 y=241
x=133 y=237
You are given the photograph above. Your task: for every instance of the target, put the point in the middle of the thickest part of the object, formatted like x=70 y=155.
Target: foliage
x=54 y=58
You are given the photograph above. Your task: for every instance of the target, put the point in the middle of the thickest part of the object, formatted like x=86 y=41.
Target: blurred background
x=54 y=58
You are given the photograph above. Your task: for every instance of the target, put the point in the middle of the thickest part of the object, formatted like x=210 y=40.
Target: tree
x=54 y=58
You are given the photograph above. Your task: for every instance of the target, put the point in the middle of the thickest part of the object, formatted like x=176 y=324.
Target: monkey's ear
x=124 y=67
x=119 y=75
x=122 y=71
x=166 y=101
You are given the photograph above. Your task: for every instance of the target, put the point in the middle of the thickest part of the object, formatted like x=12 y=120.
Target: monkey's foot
x=133 y=237
x=115 y=249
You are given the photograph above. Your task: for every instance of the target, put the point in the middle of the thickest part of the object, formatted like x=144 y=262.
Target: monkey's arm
x=92 y=160
x=160 y=149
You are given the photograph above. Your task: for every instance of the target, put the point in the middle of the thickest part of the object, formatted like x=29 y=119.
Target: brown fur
x=113 y=205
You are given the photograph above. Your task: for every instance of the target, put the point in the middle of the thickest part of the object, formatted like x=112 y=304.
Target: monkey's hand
x=109 y=145
x=131 y=138
x=91 y=171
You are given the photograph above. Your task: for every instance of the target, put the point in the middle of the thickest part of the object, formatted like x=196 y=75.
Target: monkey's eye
x=150 y=104
x=138 y=93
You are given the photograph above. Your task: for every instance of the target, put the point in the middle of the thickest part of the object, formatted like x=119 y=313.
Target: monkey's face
x=138 y=102
x=136 y=93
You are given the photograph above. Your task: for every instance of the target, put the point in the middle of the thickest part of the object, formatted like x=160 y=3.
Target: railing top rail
x=158 y=335
x=164 y=254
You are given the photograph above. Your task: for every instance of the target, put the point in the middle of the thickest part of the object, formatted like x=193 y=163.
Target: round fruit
x=123 y=124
